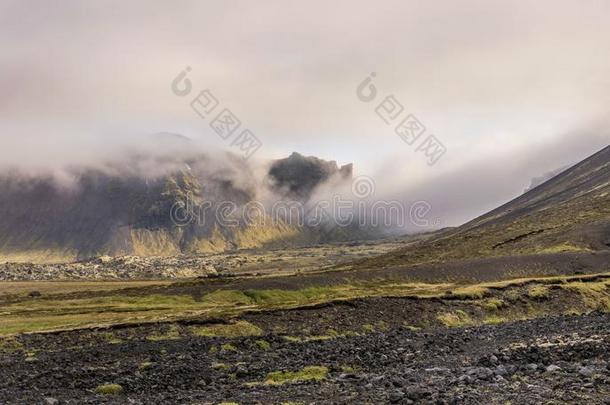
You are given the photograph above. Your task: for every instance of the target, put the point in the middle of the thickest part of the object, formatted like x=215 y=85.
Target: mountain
x=568 y=213
x=298 y=175
x=158 y=205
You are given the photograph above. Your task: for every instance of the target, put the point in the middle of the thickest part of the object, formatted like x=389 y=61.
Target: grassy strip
x=236 y=329
x=32 y=315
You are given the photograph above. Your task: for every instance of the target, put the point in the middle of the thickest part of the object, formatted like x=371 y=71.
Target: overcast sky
x=512 y=89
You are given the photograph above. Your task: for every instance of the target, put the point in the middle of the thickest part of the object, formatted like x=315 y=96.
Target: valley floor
x=520 y=330
x=560 y=359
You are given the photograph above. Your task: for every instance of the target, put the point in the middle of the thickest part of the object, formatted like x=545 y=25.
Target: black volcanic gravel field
x=561 y=359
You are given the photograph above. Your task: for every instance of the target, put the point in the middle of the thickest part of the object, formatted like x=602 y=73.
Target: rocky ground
x=240 y=262
x=561 y=359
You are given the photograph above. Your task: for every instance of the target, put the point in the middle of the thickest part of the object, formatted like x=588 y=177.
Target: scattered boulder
x=552 y=368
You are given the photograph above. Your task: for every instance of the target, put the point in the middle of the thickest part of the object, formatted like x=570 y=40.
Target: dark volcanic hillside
x=569 y=213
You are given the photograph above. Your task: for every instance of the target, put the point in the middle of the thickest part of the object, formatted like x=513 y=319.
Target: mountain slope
x=570 y=212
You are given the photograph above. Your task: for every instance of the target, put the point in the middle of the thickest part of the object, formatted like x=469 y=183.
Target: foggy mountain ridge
x=124 y=207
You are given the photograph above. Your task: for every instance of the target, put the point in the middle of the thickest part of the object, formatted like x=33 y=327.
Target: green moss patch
x=263 y=344
x=235 y=329
x=470 y=292
x=228 y=347
x=10 y=345
x=538 y=291
x=311 y=373
x=455 y=319
x=492 y=304
x=109 y=389
x=171 y=334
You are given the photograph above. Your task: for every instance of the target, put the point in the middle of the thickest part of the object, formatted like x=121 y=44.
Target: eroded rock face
x=297 y=176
